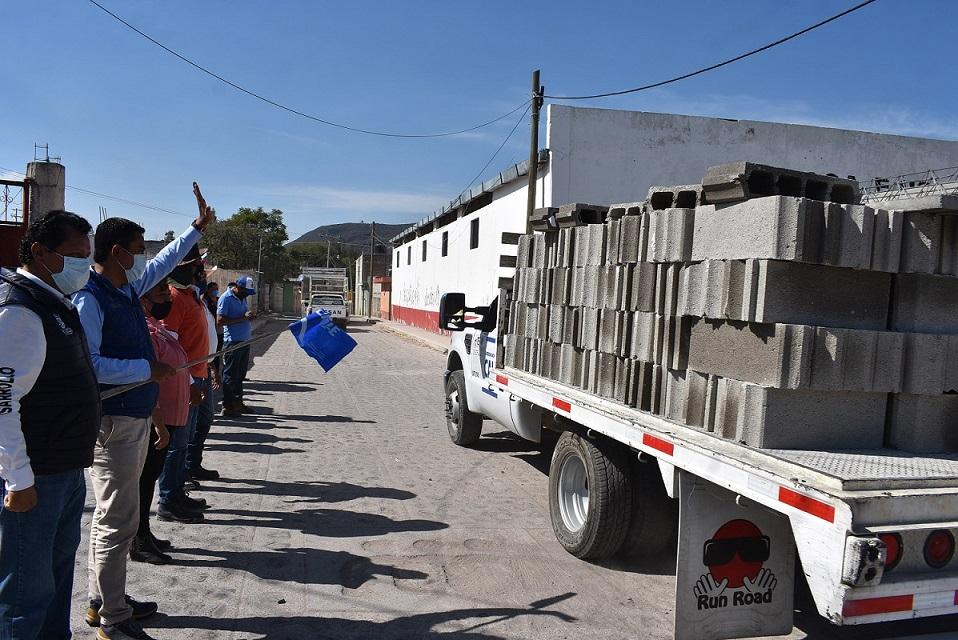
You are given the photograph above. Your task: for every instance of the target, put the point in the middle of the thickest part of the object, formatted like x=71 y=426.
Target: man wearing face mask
x=49 y=418
x=187 y=318
x=234 y=316
x=122 y=353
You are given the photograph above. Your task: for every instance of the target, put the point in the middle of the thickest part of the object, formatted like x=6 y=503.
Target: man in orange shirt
x=187 y=319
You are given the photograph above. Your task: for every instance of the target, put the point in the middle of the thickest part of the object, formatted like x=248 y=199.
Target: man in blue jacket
x=122 y=353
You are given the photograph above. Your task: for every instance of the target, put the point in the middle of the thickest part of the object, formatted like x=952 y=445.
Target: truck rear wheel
x=590 y=497
x=464 y=426
x=655 y=516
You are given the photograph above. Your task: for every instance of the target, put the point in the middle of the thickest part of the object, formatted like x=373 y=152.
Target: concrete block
x=543 y=219
x=785 y=419
x=642 y=297
x=560 y=286
x=524 y=252
x=921 y=242
x=642 y=342
x=641 y=383
x=596 y=246
x=606 y=375
x=571 y=318
x=849 y=235
x=530 y=320
x=621 y=389
x=633 y=238
x=530 y=285
x=592 y=286
x=604 y=296
x=924 y=424
x=687 y=196
x=744 y=180
x=668 y=282
x=539 y=251
x=786 y=292
x=612 y=239
x=657 y=393
x=676 y=396
x=566 y=255
x=577 y=292
x=570 y=365
x=544 y=293
x=542 y=321
x=589 y=371
x=777 y=228
x=590 y=328
x=623 y=280
x=577 y=214
x=699 y=398
x=930 y=364
x=556 y=323
x=517 y=318
x=609 y=329
x=925 y=303
x=729 y=408
x=670 y=235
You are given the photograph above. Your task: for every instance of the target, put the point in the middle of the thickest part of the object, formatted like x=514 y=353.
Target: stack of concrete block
x=764 y=306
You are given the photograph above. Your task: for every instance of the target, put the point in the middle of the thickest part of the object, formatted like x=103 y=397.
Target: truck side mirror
x=452 y=311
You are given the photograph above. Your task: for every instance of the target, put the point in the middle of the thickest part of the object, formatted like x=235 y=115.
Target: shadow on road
x=329 y=523
x=261 y=387
x=413 y=626
x=315 y=491
x=246 y=436
x=266 y=449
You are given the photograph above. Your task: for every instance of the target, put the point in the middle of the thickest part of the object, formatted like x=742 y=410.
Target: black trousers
x=235 y=365
x=148 y=477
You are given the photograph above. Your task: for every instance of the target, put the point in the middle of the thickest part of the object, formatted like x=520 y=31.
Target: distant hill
x=350 y=232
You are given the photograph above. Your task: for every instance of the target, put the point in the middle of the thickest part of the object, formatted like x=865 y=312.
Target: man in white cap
x=233 y=314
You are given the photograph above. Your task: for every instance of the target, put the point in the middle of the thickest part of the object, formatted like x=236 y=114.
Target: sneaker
x=162 y=545
x=143 y=550
x=196 y=504
x=175 y=512
x=129 y=629
x=200 y=473
x=140 y=610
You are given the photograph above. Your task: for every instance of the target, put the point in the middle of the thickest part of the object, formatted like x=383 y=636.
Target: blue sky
x=132 y=121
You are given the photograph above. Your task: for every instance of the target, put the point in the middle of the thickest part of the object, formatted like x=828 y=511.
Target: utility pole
x=369 y=279
x=327 y=253
x=537 y=91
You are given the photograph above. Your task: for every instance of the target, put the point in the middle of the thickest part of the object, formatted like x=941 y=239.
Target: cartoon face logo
x=736 y=551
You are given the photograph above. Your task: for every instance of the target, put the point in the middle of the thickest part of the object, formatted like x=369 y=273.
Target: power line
x=249 y=92
x=719 y=64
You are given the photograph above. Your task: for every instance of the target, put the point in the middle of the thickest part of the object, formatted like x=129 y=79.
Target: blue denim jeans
x=37 y=556
x=235 y=365
x=204 y=420
x=173 y=475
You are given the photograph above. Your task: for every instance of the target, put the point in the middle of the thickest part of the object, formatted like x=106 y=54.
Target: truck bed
x=842 y=474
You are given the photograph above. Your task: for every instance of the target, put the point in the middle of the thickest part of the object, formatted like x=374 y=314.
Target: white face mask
x=135 y=272
x=73 y=276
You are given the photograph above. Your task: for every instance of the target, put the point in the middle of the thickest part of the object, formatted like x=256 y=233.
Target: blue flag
x=322 y=339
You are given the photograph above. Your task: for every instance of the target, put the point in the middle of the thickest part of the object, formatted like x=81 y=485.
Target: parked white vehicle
x=874 y=533
x=334 y=303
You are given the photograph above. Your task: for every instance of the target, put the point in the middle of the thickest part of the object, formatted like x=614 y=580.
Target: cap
x=247 y=283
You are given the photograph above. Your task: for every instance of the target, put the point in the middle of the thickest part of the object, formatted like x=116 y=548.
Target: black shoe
x=192 y=485
x=140 y=610
x=143 y=550
x=162 y=545
x=129 y=629
x=175 y=512
x=200 y=473
x=195 y=504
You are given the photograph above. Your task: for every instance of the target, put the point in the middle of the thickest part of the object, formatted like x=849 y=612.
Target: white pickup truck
x=334 y=303
x=873 y=532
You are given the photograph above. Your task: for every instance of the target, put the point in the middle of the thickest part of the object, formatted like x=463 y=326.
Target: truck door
x=485 y=396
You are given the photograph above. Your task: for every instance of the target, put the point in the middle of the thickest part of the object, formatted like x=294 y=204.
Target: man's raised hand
x=206 y=215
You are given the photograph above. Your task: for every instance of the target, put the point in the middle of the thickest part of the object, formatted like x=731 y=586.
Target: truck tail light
x=939 y=548
x=893 y=549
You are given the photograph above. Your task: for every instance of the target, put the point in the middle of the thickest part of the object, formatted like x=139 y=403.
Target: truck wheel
x=655 y=516
x=590 y=497
x=464 y=426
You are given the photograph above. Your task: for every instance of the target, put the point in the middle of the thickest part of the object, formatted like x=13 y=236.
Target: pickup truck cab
x=334 y=303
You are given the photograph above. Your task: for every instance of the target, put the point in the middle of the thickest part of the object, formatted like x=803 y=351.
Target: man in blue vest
x=122 y=353
x=49 y=419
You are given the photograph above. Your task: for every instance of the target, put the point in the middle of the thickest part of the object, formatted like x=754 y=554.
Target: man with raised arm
x=122 y=353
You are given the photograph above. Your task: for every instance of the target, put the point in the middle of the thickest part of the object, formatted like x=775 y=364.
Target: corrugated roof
x=504 y=177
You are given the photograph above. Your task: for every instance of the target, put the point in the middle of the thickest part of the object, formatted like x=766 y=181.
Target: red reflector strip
x=871 y=606
x=658 y=443
x=956 y=598
x=806 y=504
x=562 y=404
x=501 y=379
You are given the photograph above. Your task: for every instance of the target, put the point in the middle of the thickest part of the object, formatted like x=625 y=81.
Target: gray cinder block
x=642 y=343
x=560 y=286
x=621 y=385
x=570 y=329
x=642 y=297
x=930 y=363
x=924 y=424
x=612 y=239
x=668 y=282
x=925 y=303
x=687 y=196
x=591 y=284
x=676 y=396
x=556 y=323
x=596 y=245
x=590 y=328
x=633 y=238
x=787 y=292
x=524 y=252
x=606 y=375
x=566 y=249
x=670 y=235
x=543 y=219
x=577 y=292
x=609 y=329
x=539 y=251
x=742 y=180
x=577 y=213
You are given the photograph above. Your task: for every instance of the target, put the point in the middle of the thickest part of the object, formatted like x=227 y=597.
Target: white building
x=605 y=156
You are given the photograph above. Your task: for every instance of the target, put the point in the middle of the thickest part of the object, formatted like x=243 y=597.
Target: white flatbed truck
x=873 y=531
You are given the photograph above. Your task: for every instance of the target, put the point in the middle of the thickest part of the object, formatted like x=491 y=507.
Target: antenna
x=46 y=153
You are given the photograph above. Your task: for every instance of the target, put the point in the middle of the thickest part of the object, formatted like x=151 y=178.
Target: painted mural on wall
x=420 y=296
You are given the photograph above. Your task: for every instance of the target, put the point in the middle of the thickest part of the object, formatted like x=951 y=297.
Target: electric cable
x=718 y=65
x=270 y=101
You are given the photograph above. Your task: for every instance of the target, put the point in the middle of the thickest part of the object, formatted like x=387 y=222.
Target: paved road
x=345 y=512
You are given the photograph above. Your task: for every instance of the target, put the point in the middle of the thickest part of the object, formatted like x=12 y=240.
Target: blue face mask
x=73 y=276
x=135 y=272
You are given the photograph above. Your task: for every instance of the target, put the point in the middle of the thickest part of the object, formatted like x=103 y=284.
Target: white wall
x=604 y=156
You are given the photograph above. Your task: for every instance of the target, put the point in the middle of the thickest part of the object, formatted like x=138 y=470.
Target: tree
x=234 y=243
x=169 y=236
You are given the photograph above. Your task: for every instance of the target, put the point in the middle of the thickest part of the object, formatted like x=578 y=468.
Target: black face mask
x=241 y=294
x=160 y=310
x=184 y=274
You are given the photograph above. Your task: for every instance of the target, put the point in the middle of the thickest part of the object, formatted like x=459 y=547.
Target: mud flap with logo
x=735 y=568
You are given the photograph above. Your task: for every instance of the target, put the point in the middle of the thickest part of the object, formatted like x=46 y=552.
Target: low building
x=603 y=156
x=361 y=267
